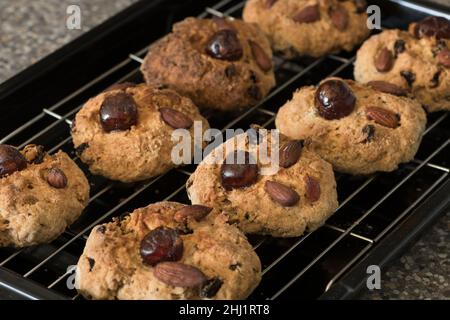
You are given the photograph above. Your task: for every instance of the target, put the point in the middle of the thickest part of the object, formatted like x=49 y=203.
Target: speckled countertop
x=30 y=30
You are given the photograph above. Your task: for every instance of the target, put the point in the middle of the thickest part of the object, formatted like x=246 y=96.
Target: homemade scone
x=168 y=251
x=417 y=61
x=282 y=196
x=309 y=27
x=125 y=133
x=359 y=129
x=220 y=64
x=40 y=195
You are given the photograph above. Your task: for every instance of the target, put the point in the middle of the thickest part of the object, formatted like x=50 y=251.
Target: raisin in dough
x=309 y=27
x=420 y=65
x=305 y=199
x=111 y=266
x=361 y=142
x=142 y=151
x=236 y=76
x=38 y=202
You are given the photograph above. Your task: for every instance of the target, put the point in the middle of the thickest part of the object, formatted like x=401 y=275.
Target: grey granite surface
x=30 y=30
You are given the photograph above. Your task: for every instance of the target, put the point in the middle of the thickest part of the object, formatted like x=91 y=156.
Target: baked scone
x=168 y=251
x=418 y=61
x=40 y=195
x=358 y=129
x=125 y=133
x=260 y=196
x=220 y=64
x=309 y=27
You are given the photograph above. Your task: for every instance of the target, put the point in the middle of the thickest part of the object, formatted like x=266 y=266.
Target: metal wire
x=300 y=72
x=358 y=221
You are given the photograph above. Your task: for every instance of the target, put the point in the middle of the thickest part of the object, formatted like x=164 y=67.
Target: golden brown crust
x=111 y=266
x=31 y=210
x=315 y=39
x=143 y=151
x=179 y=61
x=431 y=84
x=345 y=143
x=252 y=208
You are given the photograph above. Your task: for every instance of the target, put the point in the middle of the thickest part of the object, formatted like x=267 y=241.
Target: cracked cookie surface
x=309 y=28
x=260 y=199
x=39 y=201
x=220 y=64
x=141 y=146
x=419 y=65
x=111 y=266
x=379 y=132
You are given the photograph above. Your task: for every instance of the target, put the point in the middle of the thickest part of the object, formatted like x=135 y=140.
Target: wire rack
x=303 y=267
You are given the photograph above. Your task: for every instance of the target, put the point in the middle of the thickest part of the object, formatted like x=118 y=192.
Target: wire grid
x=279 y=65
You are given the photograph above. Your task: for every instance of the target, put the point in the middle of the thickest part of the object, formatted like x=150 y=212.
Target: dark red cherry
x=334 y=99
x=118 y=112
x=161 y=244
x=225 y=45
x=237 y=172
x=11 y=160
x=438 y=27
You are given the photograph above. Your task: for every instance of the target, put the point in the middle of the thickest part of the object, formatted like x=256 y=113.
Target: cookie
x=168 y=251
x=358 y=129
x=261 y=197
x=40 y=195
x=309 y=27
x=417 y=61
x=220 y=64
x=125 y=133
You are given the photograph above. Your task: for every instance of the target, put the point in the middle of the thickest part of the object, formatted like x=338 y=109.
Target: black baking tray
x=77 y=63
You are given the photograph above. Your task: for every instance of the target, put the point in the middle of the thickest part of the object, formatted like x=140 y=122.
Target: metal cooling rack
x=303 y=267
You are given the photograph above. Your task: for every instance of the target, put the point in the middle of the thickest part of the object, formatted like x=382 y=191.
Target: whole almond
x=387 y=87
x=262 y=59
x=195 y=211
x=308 y=14
x=281 y=194
x=175 y=119
x=178 y=274
x=312 y=189
x=383 y=117
x=444 y=58
x=339 y=17
x=384 y=61
x=290 y=153
x=56 y=178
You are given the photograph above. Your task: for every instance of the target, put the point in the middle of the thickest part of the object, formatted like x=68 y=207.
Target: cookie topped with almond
x=168 y=251
x=359 y=128
x=221 y=64
x=310 y=28
x=416 y=61
x=41 y=194
x=269 y=185
x=125 y=132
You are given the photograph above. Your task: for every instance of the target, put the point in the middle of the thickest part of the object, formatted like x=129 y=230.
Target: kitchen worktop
x=30 y=30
